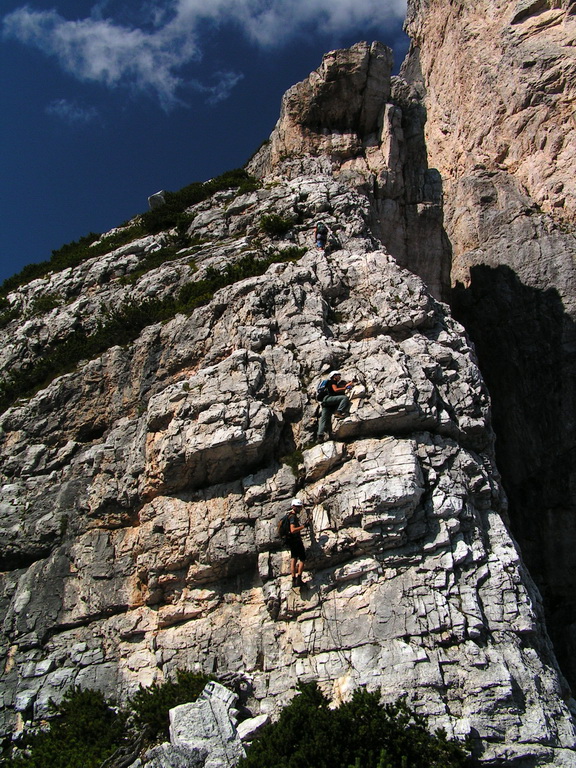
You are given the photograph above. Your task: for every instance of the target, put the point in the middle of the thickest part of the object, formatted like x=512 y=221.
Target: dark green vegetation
x=72 y=254
x=167 y=216
x=124 y=324
x=151 y=705
x=164 y=255
x=293 y=460
x=86 y=730
x=359 y=734
x=45 y=303
x=7 y=314
x=152 y=261
x=275 y=225
x=171 y=214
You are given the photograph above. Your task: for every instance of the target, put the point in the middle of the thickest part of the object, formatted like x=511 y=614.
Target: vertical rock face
x=500 y=78
x=141 y=491
x=499 y=83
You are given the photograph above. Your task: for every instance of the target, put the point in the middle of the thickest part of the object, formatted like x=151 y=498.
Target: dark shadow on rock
x=407 y=202
x=526 y=347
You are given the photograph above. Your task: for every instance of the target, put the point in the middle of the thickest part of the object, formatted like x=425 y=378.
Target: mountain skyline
x=105 y=103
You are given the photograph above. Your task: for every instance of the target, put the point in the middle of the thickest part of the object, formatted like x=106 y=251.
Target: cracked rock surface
x=141 y=494
x=498 y=81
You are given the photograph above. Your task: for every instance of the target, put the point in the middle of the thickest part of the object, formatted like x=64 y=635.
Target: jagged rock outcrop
x=141 y=491
x=207 y=727
x=499 y=81
x=366 y=128
x=205 y=733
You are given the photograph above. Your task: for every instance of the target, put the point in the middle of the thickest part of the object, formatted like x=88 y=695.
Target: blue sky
x=104 y=102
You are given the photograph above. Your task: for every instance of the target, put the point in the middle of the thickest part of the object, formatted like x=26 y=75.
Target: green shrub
x=154 y=260
x=7 y=316
x=292 y=253
x=163 y=255
x=7 y=313
x=45 y=303
x=359 y=734
x=152 y=705
x=171 y=213
x=84 y=732
x=72 y=254
x=86 y=729
x=275 y=225
x=293 y=460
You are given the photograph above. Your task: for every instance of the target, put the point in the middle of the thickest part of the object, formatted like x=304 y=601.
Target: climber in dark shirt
x=294 y=540
x=336 y=402
x=321 y=235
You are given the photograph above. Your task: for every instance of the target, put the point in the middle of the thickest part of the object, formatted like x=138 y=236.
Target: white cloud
x=273 y=23
x=99 y=50
x=225 y=82
x=152 y=59
x=71 y=112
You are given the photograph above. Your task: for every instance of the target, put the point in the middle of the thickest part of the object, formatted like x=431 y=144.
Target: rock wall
x=498 y=80
x=141 y=492
x=368 y=130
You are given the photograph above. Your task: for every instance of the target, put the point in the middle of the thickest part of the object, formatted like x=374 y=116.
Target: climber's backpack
x=284 y=525
x=322 y=390
x=322 y=229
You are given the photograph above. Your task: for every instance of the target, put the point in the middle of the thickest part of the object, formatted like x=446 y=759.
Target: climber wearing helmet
x=334 y=401
x=295 y=543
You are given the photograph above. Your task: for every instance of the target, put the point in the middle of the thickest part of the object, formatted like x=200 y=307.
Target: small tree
x=275 y=225
x=361 y=733
x=84 y=732
x=152 y=705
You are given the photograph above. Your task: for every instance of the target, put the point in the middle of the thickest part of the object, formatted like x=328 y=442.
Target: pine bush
x=152 y=705
x=275 y=225
x=362 y=733
x=84 y=732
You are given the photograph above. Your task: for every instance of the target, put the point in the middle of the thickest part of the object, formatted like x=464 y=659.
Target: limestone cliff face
x=499 y=82
x=500 y=78
x=141 y=491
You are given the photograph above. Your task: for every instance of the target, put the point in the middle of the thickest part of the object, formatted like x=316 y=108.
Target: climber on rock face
x=334 y=402
x=321 y=235
x=294 y=541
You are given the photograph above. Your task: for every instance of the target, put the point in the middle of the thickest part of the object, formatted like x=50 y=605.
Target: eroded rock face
x=499 y=80
x=142 y=491
x=352 y=119
x=207 y=728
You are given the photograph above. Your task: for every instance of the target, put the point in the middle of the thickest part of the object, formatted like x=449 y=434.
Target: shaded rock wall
x=498 y=80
